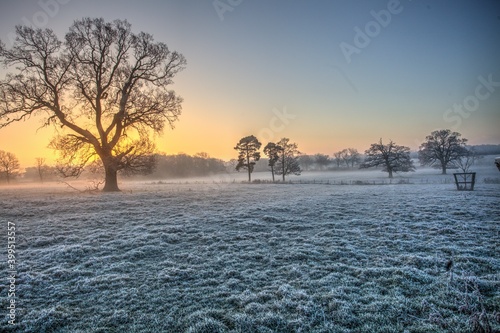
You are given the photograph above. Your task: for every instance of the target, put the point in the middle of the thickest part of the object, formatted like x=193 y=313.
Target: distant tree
x=231 y=165
x=102 y=86
x=344 y=155
x=272 y=151
x=354 y=157
x=41 y=168
x=468 y=159
x=442 y=148
x=215 y=165
x=9 y=165
x=288 y=162
x=306 y=161
x=391 y=157
x=248 y=153
x=183 y=165
x=201 y=162
x=339 y=157
x=322 y=160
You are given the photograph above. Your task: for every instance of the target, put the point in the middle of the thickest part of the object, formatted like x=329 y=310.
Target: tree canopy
x=104 y=87
x=272 y=150
x=442 y=148
x=248 y=153
x=9 y=166
x=391 y=157
x=288 y=162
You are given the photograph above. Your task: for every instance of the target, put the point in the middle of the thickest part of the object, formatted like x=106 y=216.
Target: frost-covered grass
x=255 y=258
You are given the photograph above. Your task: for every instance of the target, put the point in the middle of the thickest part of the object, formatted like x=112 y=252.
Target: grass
x=256 y=258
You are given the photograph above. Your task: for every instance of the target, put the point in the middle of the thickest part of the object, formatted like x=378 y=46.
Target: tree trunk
x=283 y=166
x=390 y=173
x=272 y=172
x=443 y=168
x=111 y=181
x=248 y=168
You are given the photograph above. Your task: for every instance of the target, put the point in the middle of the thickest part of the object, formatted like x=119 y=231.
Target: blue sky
x=269 y=58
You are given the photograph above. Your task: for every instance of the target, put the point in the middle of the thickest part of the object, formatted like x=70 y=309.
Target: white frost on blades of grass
x=246 y=258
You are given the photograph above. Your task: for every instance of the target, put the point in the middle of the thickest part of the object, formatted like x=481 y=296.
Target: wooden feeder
x=465 y=181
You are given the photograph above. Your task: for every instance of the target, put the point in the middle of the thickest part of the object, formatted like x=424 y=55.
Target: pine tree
x=272 y=151
x=248 y=153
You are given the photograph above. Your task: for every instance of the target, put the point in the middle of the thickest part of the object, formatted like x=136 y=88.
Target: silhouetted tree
x=353 y=157
x=391 y=157
x=348 y=156
x=443 y=148
x=322 y=160
x=345 y=157
x=9 y=165
x=41 y=168
x=103 y=85
x=272 y=151
x=339 y=157
x=287 y=163
x=248 y=153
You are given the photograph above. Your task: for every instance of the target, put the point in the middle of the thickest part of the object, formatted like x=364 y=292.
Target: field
x=211 y=256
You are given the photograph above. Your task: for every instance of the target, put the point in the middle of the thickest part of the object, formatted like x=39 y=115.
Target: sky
x=327 y=74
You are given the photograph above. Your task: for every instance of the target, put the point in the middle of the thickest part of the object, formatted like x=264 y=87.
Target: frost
x=262 y=257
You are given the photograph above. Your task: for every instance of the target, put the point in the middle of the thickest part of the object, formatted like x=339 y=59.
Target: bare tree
x=41 y=168
x=339 y=157
x=443 y=148
x=322 y=160
x=248 y=153
x=288 y=163
x=465 y=162
x=105 y=88
x=391 y=157
x=346 y=157
x=9 y=165
x=272 y=151
x=354 y=157
x=306 y=161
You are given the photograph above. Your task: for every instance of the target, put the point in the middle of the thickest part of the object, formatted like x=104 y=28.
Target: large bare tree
x=105 y=88
x=392 y=157
x=442 y=148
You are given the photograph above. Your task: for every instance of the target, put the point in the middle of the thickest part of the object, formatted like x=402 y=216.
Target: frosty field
x=233 y=257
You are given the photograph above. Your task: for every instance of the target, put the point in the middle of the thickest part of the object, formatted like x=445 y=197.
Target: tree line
x=165 y=166
x=442 y=149
x=120 y=88
x=283 y=156
x=346 y=158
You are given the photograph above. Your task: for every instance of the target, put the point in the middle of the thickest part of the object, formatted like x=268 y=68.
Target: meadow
x=225 y=256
